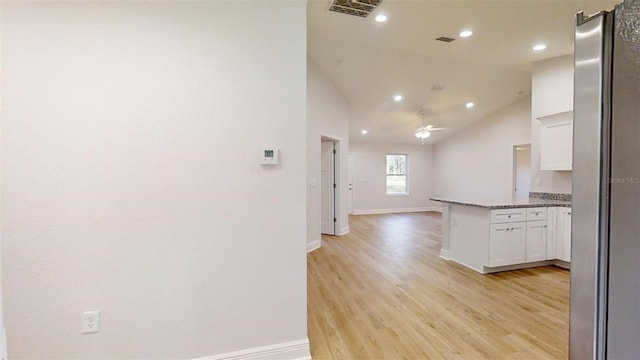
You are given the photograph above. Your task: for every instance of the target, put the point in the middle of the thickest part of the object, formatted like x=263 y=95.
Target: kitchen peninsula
x=490 y=235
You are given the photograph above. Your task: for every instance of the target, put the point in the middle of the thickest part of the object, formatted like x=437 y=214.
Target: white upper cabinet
x=556 y=142
x=552 y=87
x=552 y=109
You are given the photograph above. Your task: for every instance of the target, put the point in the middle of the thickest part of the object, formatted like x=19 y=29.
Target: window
x=397 y=175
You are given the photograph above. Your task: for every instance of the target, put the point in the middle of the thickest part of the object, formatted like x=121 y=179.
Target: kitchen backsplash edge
x=550 y=196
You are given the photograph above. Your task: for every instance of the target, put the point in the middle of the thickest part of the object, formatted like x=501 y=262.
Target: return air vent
x=445 y=39
x=360 y=8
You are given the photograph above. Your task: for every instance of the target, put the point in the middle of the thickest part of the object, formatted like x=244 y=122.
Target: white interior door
x=327 y=186
x=350 y=179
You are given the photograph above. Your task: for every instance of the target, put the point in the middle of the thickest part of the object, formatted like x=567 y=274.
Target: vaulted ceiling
x=370 y=62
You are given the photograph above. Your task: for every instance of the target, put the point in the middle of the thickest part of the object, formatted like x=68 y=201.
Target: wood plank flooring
x=382 y=292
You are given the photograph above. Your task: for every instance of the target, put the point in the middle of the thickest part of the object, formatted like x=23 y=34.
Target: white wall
x=478 y=160
x=327 y=115
x=3 y=339
x=369 y=178
x=551 y=93
x=130 y=177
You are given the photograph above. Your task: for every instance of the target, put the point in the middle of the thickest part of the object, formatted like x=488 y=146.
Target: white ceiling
x=370 y=61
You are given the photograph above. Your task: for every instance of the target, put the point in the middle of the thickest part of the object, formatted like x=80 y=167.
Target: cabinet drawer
x=507 y=215
x=535 y=214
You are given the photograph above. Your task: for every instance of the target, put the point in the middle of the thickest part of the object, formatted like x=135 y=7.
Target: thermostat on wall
x=269 y=156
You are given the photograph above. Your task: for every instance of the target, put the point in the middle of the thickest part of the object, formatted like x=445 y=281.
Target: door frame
x=514 y=174
x=338 y=206
x=350 y=188
x=328 y=191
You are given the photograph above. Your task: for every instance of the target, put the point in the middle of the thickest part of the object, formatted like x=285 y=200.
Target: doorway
x=328 y=186
x=350 y=197
x=521 y=170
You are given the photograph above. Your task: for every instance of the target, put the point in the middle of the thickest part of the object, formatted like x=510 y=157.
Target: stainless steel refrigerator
x=605 y=268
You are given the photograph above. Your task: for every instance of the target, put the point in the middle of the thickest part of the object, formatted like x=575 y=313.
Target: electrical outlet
x=91 y=321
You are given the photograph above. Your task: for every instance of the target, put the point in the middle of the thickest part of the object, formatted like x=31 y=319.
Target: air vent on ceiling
x=445 y=39
x=361 y=8
x=437 y=87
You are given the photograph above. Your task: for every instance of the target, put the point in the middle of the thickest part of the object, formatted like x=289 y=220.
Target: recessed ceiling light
x=466 y=33
x=364 y=132
x=381 y=18
x=539 y=47
x=470 y=105
x=397 y=98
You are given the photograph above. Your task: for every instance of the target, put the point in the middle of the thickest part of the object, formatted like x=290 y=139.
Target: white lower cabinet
x=559 y=233
x=551 y=232
x=563 y=234
x=507 y=244
x=536 y=241
x=546 y=235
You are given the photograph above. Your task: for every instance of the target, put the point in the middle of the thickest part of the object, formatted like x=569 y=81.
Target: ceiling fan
x=425 y=130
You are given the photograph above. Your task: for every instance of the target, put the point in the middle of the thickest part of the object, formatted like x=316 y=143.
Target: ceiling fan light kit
x=425 y=130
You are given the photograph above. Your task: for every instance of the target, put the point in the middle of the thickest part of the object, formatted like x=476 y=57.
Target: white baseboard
x=562 y=264
x=488 y=270
x=396 y=211
x=444 y=254
x=344 y=231
x=293 y=350
x=315 y=244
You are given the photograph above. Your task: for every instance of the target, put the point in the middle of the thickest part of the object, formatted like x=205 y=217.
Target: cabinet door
x=536 y=241
x=563 y=234
x=551 y=232
x=556 y=139
x=566 y=235
x=507 y=244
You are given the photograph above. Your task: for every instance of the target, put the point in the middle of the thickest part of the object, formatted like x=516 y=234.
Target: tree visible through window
x=397 y=175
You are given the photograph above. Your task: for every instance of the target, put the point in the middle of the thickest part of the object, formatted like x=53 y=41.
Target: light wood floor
x=382 y=292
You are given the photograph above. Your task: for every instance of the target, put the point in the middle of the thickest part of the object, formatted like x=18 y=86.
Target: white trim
x=394 y=211
x=444 y=254
x=341 y=150
x=491 y=270
x=293 y=350
x=3 y=344
x=315 y=244
x=437 y=209
x=344 y=231
x=562 y=264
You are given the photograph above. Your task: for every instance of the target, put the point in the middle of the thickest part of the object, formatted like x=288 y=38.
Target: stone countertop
x=505 y=203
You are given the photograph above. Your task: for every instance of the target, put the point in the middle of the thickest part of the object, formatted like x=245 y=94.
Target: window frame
x=406 y=174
